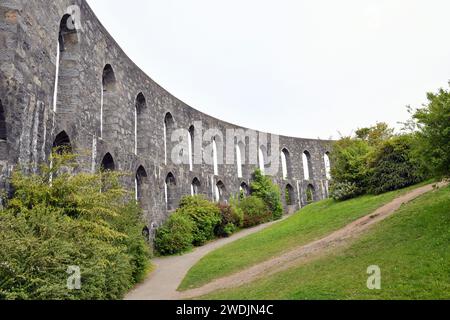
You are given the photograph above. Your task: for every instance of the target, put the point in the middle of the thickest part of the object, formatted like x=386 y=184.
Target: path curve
x=163 y=283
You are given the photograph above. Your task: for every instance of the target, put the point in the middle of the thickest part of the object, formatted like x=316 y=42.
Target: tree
x=393 y=165
x=434 y=132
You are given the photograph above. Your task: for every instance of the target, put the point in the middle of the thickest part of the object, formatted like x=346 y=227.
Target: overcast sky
x=308 y=68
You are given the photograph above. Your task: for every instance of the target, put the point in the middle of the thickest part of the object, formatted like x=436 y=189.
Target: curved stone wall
x=104 y=101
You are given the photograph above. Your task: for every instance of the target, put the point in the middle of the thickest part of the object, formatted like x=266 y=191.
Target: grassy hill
x=311 y=223
x=412 y=248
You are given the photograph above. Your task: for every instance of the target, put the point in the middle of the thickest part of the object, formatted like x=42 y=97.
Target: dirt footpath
x=163 y=283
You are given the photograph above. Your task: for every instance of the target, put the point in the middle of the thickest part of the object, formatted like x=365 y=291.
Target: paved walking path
x=169 y=272
x=163 y=283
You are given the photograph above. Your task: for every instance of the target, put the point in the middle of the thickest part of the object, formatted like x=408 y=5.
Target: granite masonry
x=65 y=82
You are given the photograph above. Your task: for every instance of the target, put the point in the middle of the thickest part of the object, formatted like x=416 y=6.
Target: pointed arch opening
x=195 y=187
x=170 y=192
x=142 y=187
x=286 y=164
x=109 y=85
x=62 y=143
x=66 y=65
x=215 y=157
x=146 y=233
x=310 y=194
x=244 y=190
x=289 y=195
x=261 y=159
x=139 y=123
x=220 y=192
x=239 y=160
x=327 y=163
x=191 y=144
x=108 y=163
x=169 y=126
x=307 y=166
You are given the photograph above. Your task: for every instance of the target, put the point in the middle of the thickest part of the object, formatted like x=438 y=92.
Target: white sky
x=301 y=68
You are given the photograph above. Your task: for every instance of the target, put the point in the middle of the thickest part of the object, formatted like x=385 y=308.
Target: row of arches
x=67 y=43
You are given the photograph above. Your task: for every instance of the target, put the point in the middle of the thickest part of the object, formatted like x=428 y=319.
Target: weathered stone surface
x=29 y=33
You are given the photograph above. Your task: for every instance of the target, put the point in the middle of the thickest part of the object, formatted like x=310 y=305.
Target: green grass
x=412 y=248
x=311 y=223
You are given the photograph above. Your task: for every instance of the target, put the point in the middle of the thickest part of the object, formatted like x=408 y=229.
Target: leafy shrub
x=434 y=132
x=344 y=190
x=263 y=188
x=393 y=166
x=232 y=220
x=175 y=236
x=349 y=165
x=205 y=216
x=255 y=211
x=48 y=227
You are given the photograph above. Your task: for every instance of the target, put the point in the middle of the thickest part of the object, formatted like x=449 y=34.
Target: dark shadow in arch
x=221 y=189
x=62 y=144
x=310 y=194
x=244 y=189
x=141 y=185
x=68 y=35
x=108 y=163
x=171 y=185
x=196 y=185
x=289 y=195
x=108 y=79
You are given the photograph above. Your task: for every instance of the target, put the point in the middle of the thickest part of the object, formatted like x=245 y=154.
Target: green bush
x=349 y=165
x=232 y=220
x=175 y=236
x=434 y=133
x=255 y=211
x=205 y=216
x=263 y=188
x=343 y=190
x=83 y=220
x=393 y=166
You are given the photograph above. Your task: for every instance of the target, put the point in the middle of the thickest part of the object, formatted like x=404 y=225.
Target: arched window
x=62 y=143
x=169 y=125
x=195 y=187
x=3 y=132
x=262 y=161
x=220 y=191
x=191 y=137
x=141 y=186
x=285 y=163
x=139 y=122
x=108 y=163
x=108 y=86
x=239 y=151
x=67 y=41
x=215 y=158
x=327 y=162
x=310 y=194
x=307 y=166
x=290 y=195
x=170 y=191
